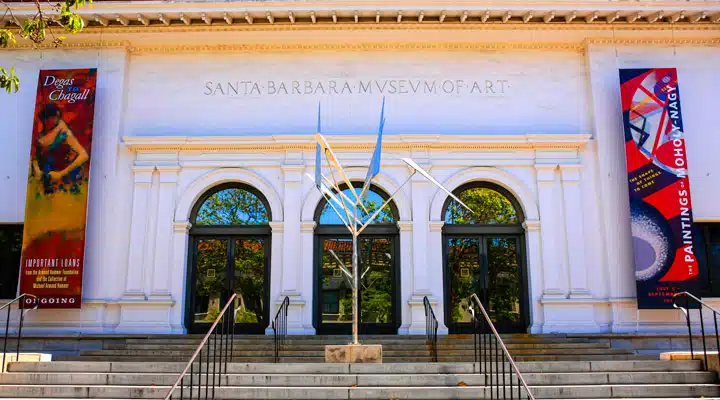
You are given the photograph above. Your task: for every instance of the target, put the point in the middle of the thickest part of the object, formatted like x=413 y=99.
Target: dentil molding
x=575 y=46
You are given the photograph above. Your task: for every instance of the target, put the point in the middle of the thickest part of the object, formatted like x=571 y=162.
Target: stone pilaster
x=574 y=225
x=552 y=231
x=162 y=269
x=406 y=269
x=134 y=280
x=534 y=271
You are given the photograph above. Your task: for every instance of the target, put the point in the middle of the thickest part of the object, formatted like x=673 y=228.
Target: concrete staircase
x=451 y=348
x=548 y=380
x=555 y=367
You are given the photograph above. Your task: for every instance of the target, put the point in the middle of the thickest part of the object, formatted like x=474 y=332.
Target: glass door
x=489 y=267
x=222 y=265
x=378 y=308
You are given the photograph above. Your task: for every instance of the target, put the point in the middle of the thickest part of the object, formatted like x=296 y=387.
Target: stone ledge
x=354 y=354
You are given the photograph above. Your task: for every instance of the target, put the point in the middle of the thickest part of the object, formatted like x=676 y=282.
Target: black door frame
x=484 y=267
x=390 y=328
x=241 y=328
x=231 y=233
x=373 y=230
x=482 y=232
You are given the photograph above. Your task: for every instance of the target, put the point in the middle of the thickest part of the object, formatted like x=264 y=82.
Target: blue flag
x=318 y=154
x=374 y=168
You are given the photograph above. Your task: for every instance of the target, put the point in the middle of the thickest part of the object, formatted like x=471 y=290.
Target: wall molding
x=140 y=144
x=578 y=46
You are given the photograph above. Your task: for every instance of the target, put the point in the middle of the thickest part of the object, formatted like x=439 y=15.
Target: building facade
x=203 y=136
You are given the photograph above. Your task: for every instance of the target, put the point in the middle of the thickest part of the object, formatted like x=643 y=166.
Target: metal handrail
x=279 y=326
x=23 y=311
x=199 y=349
x=431 y=328
x=498 y=341
x=685 y=311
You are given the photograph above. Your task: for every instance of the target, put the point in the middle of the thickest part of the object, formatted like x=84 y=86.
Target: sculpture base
x=354 y=353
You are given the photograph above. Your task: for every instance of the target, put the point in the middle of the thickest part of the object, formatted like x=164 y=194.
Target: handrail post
x=279 y=326
x=702 y=330
x=686 y=310
x=431 y=328
x=22 y=317
x=21 y=298
x=7 y=328
x=197 y=355
x=498 y=352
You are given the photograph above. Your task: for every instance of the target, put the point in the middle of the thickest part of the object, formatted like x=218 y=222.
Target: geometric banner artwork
x=53 y=248
x=660 y=205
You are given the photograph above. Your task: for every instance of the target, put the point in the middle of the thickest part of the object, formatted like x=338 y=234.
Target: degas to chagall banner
x=660 y=206
x=56 y=204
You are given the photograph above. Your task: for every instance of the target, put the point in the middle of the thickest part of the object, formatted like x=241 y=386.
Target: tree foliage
x=488 y=205
x=481 y=264
x=233 y=206
x=36 y=29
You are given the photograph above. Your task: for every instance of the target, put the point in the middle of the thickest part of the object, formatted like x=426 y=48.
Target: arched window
x=374 y=199
x=484 y=255
x=491 y=205
x=378 y=250
x=232 y=205
x=229 y=253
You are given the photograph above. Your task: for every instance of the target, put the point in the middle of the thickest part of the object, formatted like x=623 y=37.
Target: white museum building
x=203 y=139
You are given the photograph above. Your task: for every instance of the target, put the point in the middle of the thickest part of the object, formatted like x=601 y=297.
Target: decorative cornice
x=396 y=142
x=349 y=46
x=578 y=46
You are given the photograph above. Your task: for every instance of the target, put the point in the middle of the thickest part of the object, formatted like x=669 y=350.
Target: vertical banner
x=56 y=203
x=660 y=206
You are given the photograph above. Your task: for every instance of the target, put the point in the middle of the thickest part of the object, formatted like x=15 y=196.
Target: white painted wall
x=547 y=92
x=539 y=97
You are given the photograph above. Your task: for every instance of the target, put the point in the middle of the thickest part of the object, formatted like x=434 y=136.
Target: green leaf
x=10 y=82
x=6 y=38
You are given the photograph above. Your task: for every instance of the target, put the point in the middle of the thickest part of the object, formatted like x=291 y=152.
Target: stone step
x=415 y=345
x=388 y=339
x=361 y=380
x=398 y=368
x=625 y=391
x=426 y=358
x=292 y=352
x=306 y=392
x=604 y=398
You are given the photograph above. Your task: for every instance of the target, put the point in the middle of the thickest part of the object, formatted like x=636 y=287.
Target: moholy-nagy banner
x=660 y=206
x=53 y=248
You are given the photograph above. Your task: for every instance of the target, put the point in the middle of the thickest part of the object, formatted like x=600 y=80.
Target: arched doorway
x=484 y=253
x=378 y=262
x=229 y=252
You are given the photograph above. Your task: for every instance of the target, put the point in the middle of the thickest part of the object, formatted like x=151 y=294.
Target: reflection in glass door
x=488 y=266
x=377 y=285
x=221 y=266
x=210 y=279
x=249 y=282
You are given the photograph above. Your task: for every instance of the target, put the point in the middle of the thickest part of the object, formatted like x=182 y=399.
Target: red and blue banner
x=660 y=206
x=53 y=248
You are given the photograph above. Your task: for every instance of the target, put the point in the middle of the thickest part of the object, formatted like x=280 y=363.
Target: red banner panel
x=660 y=206
x=53 y=249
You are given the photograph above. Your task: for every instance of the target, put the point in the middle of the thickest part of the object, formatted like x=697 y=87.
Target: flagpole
x=356 y=281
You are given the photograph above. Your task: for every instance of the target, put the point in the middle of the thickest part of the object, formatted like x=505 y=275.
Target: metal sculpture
x=346 y=207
